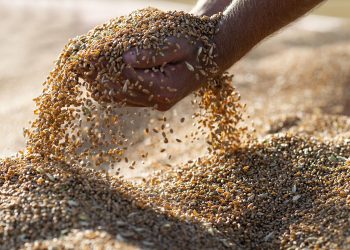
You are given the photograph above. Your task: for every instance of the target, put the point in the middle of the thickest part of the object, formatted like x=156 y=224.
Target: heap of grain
x=289 y=190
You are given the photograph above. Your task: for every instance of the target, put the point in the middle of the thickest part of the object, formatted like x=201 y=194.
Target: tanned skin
x=244 y=25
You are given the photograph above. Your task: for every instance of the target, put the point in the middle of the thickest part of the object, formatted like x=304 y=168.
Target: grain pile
x=47 y=202
x=287 y=190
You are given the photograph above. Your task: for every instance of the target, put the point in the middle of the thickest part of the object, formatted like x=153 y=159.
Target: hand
x=165 y=77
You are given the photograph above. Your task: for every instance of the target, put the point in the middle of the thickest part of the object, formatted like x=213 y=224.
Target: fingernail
x=129 y=57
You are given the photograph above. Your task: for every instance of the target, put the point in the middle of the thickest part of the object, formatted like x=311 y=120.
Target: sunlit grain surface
x=304 y=69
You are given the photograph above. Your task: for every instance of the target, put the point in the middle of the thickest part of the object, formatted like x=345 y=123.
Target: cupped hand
x=161 y=78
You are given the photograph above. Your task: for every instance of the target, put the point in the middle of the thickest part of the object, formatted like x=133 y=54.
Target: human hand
x=162 y=78
x=156 y=78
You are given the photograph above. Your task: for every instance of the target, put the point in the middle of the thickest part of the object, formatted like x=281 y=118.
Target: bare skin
x=245 y=24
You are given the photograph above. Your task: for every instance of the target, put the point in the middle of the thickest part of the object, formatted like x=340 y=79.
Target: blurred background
x=32 y=34
x=340 y=8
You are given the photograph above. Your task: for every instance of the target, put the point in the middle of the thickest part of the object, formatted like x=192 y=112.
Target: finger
x=162 y=88
x=115 y=88
x=115 y=93
x=134 y=98
x=141 y=84
x=176 y=49
x=152 y=83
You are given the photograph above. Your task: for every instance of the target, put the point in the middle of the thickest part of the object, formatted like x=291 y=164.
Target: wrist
x=233 y=40
x=210 y=7
x=225 y=47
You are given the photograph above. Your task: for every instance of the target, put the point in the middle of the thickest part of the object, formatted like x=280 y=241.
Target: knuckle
x=165 y=101
x=164 y=107
x=167 y=97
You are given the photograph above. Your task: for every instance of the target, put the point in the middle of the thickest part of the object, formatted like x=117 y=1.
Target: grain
x=286 y=190
x=215 y=202
x=76 y=111
x=189 y=66
x=247 y=195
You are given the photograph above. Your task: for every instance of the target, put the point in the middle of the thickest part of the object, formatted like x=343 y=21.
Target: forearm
x=247 y=22
x=210 y=7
